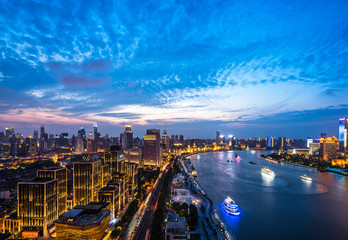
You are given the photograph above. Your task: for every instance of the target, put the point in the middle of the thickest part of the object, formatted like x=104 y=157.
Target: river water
x=283 y=207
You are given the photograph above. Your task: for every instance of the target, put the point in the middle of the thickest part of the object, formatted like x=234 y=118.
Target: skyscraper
x=152 y=148
x=60 y=174
x=37 y=204
x=129 y=136
x=115 y=159
x=181 y=139
x=346 y=139
x=217 y=137
x=165 y=139
x=87 y=181
x=42 y=131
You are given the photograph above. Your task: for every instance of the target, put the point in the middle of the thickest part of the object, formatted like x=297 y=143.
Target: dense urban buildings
x=98 y=177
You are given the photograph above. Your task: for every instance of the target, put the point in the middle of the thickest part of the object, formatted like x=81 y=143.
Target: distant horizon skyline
x=137 y=129
x=244 y=67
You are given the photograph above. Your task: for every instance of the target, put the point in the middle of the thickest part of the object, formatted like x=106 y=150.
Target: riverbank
x=215 y=226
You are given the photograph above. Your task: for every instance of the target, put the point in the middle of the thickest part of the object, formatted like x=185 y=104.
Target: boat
x=194 y=173
x=230 y=206
x=305 y=177
x=267 y=171
x=252 y=151
x=252 y=162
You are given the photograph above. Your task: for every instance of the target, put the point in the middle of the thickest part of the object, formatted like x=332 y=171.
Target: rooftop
x=85 y=215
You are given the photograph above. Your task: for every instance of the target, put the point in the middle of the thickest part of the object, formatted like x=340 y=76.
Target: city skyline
x=245 y=68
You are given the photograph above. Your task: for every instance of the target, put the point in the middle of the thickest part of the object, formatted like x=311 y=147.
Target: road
x=148 y=216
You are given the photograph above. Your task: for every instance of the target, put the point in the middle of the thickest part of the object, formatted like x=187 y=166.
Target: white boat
x=305 y=177
x=252 y=151
x=230 y=206
x=267 y=171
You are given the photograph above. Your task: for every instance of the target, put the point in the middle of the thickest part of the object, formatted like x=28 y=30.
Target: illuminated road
x=146 y=221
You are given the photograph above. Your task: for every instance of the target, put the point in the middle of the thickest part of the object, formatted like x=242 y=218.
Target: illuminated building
x=129 y=136
x=133 y=156
x=115 y=159
x=222 y=139
x=217 y=137
x=83 y=222
x=81 y=133
x=60 y=174
x=37 y=204
x=11 y=223
x=152 y=148
x=341 y=129
x=314 y=148
x=346 y=140
x=36 y=134
x=106 y=175
x=87 y=181
x=328 y=147
x=120 y=182
x=309 y=141
x=132 y=174
x=110 y=195
x=79 y=145
x=123 y=140
x=96 y=134
x=165 y=139
x=230 y=140
x=282 y=144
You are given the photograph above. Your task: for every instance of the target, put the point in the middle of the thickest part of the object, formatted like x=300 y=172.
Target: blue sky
x=247 y=68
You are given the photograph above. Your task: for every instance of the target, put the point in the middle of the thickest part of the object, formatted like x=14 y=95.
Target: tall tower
x=217 y=137
x=129 y=136
x=165 y=139
x=152 y=148
x=346 y=139
x=42 y=131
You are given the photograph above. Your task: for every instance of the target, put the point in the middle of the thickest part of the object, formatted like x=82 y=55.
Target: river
x=283 y=207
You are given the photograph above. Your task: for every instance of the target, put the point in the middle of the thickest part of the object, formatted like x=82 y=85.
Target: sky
x=246 y=68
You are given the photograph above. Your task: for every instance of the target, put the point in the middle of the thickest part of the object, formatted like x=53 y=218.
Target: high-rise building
x=42 y=131
x=79 y=145
x=222 y=139
x=133 y=155
x=129 y=136
x=81 y=133
x=96 y=133
x=217 y=137
x=165 y=139
x=60 y=174
x=346 y=140
x=36 y=134
x=328 y=147
x=123 y=140
x=115 y=159
x=230 y=140
x=181 y=139
x=37 y=204
x=309 y=141
x=9 y=132
x=87 y=180
x=152 y=148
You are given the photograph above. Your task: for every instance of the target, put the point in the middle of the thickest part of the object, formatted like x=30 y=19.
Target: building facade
x=87 y=180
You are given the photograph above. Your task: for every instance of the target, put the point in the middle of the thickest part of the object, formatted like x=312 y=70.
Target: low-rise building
x=175 y=228
x=83 y=222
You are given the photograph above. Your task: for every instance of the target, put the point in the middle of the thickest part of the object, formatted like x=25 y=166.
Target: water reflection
x=267 y=180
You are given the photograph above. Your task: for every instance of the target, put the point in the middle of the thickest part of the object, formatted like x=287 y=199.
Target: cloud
x=82 y=81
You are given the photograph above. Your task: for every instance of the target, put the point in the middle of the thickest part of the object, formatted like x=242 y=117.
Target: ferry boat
x=230 y=206
x=305 y=177
x=267 y=171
